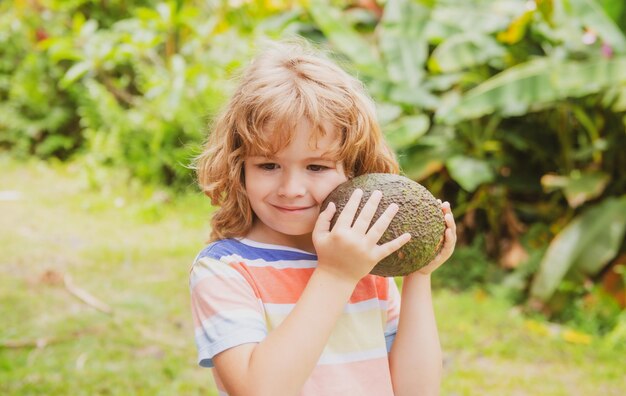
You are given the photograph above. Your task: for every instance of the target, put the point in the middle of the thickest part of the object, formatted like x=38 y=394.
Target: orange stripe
x=274 y=285
x=285 y=285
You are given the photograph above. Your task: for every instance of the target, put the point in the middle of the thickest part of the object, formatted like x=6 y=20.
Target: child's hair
x=287 y=83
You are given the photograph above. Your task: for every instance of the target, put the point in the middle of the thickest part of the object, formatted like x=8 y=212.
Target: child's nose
x=292 y=185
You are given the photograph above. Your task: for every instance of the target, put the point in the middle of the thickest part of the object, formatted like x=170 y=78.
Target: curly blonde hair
x=286 y=83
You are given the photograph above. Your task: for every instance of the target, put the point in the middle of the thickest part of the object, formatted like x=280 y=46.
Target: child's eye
x=318 y=168
x=268 y=166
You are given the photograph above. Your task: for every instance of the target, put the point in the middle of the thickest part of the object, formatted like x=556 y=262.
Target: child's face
x=286 y=191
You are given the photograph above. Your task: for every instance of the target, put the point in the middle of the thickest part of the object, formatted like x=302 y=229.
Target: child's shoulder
x=220 y=248
x=247 y=249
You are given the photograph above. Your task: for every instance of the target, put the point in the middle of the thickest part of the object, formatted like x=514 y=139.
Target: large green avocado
x=420 y=215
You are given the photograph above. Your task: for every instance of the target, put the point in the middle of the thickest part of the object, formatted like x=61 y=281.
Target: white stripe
x=392 y=326
x=350 y=357
x=362 y=306
x=252 y=243
x=206 y=267
x=366 y=305
x=222 y=323
x=279 y=264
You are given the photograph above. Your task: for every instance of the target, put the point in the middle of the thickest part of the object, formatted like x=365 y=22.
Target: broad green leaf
x=421 y=164
x=464 y=50
x=407 y=130
x=449 y=19
x=579 y=187
x=88 y=29
x=534 y=84
x=587 y=243
x=469 y=172
x=403 y=42
x=345 y=38
x=387 y=112
x=579 y=79
x=74 y=73
x=517 y=29
x=619 y=103
x=417 y=96
x=595 y=256
x=593 y=16
x=60 y=48
x=430 y=154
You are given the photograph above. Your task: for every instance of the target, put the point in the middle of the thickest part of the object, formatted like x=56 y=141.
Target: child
x=282 y=305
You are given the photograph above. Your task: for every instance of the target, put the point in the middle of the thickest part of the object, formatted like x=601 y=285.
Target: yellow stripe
x=356 y=331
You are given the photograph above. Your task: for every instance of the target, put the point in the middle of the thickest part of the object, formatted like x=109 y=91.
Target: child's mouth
x=293 y=209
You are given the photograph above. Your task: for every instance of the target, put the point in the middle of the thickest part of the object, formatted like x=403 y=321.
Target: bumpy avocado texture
x=420 y=214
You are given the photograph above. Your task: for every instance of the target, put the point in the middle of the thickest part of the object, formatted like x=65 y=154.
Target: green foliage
x=524 y=113
x=585 y=245
x=467 y=269
x=126 y=86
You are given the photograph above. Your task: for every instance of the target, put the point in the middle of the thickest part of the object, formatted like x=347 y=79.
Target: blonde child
x=282 y=305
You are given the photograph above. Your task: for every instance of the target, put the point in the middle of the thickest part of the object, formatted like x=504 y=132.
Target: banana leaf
x=579 y=187
x=469 y=172
x=347 y=40
x=407 y=130
x=535 y=84
x=402 y=41
x=464 y=50
x=586 y=244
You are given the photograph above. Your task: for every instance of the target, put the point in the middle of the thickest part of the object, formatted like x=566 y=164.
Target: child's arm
x=415 y=359
x=284 y=360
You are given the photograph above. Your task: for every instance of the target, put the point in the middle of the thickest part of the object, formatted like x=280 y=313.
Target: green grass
x=131 y=247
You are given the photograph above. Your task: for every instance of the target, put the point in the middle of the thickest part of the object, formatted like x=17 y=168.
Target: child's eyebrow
x=261 y=156
x=320 y=158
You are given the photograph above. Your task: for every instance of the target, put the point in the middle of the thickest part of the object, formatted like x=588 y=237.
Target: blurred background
x=512 y=110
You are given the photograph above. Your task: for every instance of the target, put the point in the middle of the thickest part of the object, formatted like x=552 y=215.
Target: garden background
x=514 y=111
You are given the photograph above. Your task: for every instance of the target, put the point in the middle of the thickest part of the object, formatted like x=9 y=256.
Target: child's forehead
x=322 y=139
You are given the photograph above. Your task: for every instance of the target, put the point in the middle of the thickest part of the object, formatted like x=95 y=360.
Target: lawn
x=94 y=300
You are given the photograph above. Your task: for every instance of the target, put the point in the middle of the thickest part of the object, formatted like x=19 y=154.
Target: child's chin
x=296 y=231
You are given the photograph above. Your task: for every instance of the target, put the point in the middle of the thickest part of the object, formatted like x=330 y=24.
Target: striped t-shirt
x=242 y=289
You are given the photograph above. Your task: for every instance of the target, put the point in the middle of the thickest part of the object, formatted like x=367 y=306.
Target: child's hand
x=351 y=251
x=448 y=244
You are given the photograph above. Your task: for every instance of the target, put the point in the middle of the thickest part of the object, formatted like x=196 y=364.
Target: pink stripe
x=369 y=377
x=209 y=297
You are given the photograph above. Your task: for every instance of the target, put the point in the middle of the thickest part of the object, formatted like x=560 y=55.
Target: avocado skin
x=420 y=215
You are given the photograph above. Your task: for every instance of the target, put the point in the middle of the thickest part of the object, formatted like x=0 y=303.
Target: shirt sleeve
x=226 y=312
x=393 y=313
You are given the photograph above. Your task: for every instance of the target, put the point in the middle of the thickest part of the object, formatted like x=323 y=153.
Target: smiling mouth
x=293 y=209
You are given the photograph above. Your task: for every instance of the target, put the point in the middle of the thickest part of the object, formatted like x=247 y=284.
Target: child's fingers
x=323 y=220
x=347 y=213
x=450 y=226
x=366 y=215
x=386 y=249
x=381 y=224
